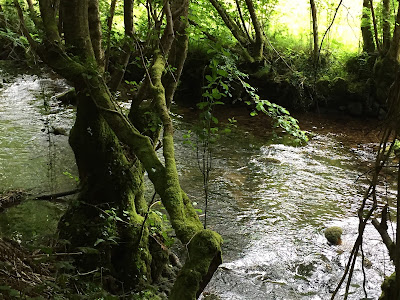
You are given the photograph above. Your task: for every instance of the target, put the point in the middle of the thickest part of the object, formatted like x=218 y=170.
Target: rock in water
x=333 y=235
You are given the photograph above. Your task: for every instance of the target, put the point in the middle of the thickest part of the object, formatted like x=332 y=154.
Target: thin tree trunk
x=375 y=26
x=177 y=54
x=32 y=14
x=386 y=32
x=366 y=28
x=232 y=26
x=95 y=32
x=394 y=45
x=2 y=19
x=123 y=60
x=397 y=257
x=315 y=30
x=242 y=19
x=109 y=28
x=259 y=41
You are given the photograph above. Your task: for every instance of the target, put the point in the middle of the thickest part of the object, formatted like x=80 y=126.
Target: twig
x=145 y=218
x=329 y=28
x=56 y=254
x=88 y=273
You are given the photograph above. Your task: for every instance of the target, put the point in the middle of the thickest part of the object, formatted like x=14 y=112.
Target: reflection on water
x=30 y=158
x=270 y=203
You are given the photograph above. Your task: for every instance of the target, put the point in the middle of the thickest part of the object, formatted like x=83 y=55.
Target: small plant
x=109 y=229
x=222 y=75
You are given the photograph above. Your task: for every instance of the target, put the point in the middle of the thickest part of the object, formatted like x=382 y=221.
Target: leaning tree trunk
x=244 y=41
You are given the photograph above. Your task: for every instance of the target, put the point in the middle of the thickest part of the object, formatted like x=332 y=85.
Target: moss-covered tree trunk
x=108 y=214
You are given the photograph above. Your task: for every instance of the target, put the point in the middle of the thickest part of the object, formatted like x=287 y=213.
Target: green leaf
x=98 y=242
x=202 y=105
x=209 y=78
x=222 y=73
x=216 y=94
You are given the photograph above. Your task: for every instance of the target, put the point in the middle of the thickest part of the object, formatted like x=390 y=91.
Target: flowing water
x=31 y=157
x=270 y=202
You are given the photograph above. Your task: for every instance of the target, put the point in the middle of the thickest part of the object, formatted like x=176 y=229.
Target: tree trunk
x=244 y=28
x=395 y=44
x=386 y=32
x=32 y=14
x=2 y=19
x=375 y=26
x=95 y=32
x=109 y=212
x=178 y=52
x=315 y=30
x=109 y=28
x=259 y=38
x=123 y=59
x=232 y=26
x=366 y=28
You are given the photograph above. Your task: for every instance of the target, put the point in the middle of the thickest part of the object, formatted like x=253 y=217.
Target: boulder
x=333 y=235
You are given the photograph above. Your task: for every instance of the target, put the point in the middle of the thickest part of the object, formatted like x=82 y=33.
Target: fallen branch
x=57 y=195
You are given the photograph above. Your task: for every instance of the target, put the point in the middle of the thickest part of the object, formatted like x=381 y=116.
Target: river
x=270 y=202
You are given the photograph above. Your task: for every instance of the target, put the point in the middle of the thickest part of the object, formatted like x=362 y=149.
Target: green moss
x=108 y=213
x=333 y=235
x=204 y=254
x=389 y=288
